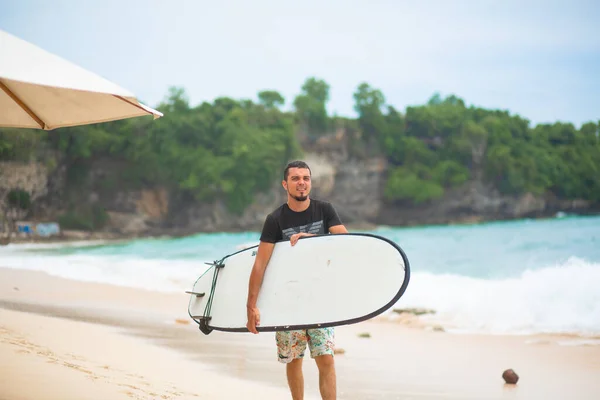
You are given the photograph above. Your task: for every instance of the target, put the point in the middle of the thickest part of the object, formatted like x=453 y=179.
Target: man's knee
x=325 y=361
x=295 y=363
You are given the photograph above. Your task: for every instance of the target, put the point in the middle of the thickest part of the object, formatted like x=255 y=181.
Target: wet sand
x=63 y=339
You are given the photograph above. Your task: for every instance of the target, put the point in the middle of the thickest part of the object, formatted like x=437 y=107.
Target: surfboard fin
x=203 y=326
x=216 y=264
x=196 y=293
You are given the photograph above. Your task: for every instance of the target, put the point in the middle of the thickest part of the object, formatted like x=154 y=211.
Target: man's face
x=298 y=183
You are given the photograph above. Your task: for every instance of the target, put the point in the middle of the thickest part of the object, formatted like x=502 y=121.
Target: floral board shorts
x=292 y=344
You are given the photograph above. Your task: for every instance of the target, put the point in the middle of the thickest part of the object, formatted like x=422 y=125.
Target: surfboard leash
x=206 y=315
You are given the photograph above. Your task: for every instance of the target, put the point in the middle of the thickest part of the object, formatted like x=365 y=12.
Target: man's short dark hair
x=295 y=164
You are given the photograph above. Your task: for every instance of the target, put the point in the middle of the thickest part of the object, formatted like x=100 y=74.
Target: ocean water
x=515 y=277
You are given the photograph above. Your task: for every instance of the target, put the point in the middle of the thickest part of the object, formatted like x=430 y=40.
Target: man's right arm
x=263 y=255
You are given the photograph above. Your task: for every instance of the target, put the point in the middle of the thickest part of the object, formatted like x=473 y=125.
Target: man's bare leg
x=327 y=382
x=295 y=379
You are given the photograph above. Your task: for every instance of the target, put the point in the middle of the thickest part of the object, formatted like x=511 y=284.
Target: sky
x=537 y=59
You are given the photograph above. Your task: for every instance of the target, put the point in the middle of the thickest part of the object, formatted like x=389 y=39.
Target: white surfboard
x=322 y=281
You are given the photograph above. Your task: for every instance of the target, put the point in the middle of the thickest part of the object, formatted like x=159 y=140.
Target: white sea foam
x=561 y=298
x=151 y=274
x=557 y=299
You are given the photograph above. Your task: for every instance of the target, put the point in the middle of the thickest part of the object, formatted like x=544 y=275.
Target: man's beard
x=300 y=198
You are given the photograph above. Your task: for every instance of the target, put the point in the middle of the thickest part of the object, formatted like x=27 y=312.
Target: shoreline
x=394 y=361
x=71 y=236
x=398 y=314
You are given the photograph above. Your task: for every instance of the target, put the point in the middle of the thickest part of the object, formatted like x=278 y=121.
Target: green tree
x=176 y=101
x=405 y=185
x=311 y=106
x=368 y=103
x=270 y=98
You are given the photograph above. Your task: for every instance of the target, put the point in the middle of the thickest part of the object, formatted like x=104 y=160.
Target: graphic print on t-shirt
x=314 y=227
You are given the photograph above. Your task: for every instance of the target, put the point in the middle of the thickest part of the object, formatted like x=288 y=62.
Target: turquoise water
x=508 y=277
x=500 y=249
x=492 y=250
x=198 y=247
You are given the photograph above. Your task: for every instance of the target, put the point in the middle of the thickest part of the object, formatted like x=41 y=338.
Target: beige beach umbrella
x=41 y=90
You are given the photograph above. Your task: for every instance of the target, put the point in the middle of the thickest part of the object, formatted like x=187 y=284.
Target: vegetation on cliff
x=444 y=143
x=231 y=149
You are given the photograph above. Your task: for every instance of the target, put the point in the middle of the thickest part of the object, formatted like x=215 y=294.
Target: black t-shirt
x=283 y=222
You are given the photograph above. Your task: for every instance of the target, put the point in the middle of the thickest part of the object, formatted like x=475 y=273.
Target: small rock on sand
x=510 y=376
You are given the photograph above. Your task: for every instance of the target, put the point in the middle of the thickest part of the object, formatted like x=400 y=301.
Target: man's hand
x=263 y=255
x=296 y=236
x=253 y=319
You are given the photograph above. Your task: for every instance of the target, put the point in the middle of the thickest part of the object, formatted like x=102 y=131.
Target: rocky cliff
x=353 y=184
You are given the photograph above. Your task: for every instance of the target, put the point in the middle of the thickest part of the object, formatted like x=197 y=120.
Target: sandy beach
x=63 y=339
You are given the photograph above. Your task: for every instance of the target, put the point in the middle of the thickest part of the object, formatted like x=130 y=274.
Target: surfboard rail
x=204 y=320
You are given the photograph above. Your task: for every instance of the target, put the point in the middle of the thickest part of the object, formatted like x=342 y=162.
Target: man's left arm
x=334 y=221
x=338 y=229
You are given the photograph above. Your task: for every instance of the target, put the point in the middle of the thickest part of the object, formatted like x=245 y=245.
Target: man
x=299 y=217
